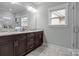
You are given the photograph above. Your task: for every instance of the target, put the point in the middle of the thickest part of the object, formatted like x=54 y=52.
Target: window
x=57 y=16
x=24 y=21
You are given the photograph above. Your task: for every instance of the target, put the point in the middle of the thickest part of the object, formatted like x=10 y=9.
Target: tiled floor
x=50 y=50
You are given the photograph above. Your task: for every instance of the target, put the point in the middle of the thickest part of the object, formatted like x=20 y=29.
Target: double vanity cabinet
x=20 y=44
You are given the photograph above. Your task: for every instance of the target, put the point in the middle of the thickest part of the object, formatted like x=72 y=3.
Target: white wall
x=61 y=36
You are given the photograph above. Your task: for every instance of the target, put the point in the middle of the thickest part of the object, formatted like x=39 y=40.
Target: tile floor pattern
x=50 y=50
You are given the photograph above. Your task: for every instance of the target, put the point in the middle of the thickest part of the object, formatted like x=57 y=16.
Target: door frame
x=75 y=30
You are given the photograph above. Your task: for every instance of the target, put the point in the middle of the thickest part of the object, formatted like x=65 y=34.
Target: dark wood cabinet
x=20 y=44
x=38 y=39
x=6 y=46
x=30 y=41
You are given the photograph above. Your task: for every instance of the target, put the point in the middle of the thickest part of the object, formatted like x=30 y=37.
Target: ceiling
x=20 y=6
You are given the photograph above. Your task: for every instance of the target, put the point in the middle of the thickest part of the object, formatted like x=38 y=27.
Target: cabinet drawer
x=6 y=48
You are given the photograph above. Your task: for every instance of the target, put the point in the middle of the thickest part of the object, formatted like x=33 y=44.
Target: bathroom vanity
x=19 y=43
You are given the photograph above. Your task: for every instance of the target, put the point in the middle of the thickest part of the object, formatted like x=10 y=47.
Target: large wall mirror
x=13 y=16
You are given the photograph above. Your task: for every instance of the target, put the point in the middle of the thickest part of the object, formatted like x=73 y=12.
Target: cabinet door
x=20 y=45
x=6 y=48
x=38 y=38
x=30 y=41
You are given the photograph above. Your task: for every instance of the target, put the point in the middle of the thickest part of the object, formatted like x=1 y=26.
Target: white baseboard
x=75 y=52
x=63 y=49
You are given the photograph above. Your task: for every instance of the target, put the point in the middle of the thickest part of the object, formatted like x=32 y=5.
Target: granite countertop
x=11 y=33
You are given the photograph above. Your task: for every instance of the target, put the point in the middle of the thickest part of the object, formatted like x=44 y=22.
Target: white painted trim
x=68 y=50
x=56 y=8
x=48 y=44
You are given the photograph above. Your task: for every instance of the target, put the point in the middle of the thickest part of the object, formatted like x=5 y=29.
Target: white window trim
x=58 y=7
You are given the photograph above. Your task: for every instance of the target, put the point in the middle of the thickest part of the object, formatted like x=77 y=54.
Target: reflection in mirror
x=16 y=16
x=6 y=21
x=24 y=23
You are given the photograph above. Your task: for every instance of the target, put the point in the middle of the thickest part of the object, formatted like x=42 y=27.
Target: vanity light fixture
x=31 y=9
